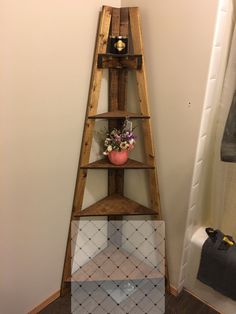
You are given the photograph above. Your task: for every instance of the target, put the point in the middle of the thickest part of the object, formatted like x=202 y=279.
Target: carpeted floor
x=185 y=303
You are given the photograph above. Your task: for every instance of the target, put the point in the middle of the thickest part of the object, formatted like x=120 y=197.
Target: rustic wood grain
x=105 y=164
x=114 y=178
x=102 y=39
x=130 y=62
x=124 y=22
x=115 y=22
x=118 y=114
x=123 y=75
x=136 y=32
x=115 y=204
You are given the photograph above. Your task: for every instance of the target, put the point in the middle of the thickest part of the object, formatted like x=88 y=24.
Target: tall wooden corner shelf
x=115 y=22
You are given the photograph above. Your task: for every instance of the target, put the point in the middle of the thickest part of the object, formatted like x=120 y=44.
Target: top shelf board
x=119 y=115
x=116 y=61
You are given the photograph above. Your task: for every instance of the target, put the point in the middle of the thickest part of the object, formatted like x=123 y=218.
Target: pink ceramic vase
x=118 y=158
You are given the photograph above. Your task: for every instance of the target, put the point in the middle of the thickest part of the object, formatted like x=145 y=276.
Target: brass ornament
x=120 y=45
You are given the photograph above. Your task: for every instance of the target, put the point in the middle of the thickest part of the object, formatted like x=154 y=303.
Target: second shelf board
x=114 y=205
x=119 y=114
x=105 y=164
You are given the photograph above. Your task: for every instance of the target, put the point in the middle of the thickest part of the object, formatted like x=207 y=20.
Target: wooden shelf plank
x=115 y=264
x=120 y=61
x=105 y=164
x=114 y=205
x=118 y=114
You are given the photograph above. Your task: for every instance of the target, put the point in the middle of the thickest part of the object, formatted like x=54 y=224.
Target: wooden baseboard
x=45 y=303
x=174 y=291
x=195 y=296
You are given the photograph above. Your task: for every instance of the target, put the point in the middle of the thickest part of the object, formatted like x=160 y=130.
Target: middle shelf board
x=105 y=164
x=119 y=114
x=114 y=205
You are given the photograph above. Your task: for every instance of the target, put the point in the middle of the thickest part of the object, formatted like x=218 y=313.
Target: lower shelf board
x=115 y=205
x=115 y=263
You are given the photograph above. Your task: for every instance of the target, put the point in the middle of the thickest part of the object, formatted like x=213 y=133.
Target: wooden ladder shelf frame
x=115 y=22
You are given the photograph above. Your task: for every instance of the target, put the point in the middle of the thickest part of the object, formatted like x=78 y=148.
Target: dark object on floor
x=185 y=303
x=218 y=263
x=228 y=145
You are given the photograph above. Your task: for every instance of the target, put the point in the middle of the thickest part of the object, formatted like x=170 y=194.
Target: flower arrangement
x=119 y=140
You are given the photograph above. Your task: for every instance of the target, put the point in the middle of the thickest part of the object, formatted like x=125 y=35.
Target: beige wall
x=45 y=61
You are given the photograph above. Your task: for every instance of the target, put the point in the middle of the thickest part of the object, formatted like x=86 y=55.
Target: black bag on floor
x=217 y=267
